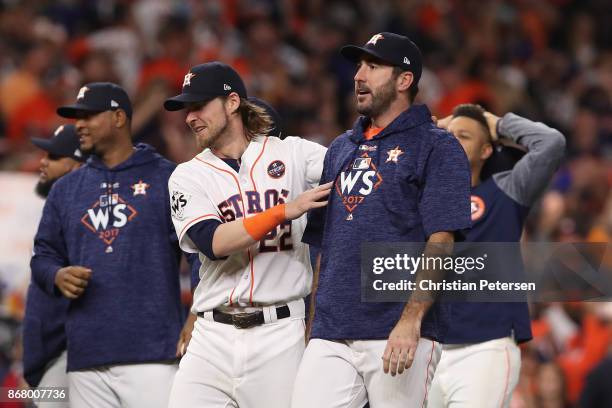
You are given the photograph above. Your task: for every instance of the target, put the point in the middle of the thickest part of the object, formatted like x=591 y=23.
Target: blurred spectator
x=10 y=359
x=35 y=116
x=597 y=391
x=551 y=387
x=172 y=59
x=25 y=82
x=159 y=78
x=96 y=66
x=574 y=337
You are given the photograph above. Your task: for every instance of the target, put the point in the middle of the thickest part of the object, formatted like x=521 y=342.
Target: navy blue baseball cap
x=98 y=97
x=205 y=82
x=391 y=48
x=277 y=128
x=64 y=143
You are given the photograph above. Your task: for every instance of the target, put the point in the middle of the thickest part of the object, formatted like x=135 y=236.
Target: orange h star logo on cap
x=375 y=38
x=187 y=80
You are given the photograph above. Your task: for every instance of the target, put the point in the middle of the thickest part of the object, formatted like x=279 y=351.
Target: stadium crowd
x=548 y=60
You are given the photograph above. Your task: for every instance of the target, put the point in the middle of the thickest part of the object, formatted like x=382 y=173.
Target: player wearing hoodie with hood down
x=107 y=243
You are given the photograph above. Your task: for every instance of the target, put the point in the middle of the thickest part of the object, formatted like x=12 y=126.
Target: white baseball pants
x=240 y=368
x=348 y=374
x=55 y=376
x=480 y=375
x=122 y=386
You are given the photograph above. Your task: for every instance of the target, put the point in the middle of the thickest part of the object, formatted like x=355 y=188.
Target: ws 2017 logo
x=107 y=216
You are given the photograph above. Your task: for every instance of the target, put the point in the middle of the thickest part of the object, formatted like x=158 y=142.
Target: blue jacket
x=406 y=183
x=43 y=335
x=116 y=222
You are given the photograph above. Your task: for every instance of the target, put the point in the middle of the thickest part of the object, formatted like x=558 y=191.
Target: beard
x=381 y=100
x=43 y=188
x=214 y=134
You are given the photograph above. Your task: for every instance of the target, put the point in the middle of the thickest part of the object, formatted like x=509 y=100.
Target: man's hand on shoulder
x=308 y=200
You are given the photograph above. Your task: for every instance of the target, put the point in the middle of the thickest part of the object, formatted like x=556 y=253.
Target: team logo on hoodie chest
x=360 y=179
x=108 y=215
x=478 y=207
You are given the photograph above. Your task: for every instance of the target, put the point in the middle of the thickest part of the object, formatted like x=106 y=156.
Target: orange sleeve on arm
x=264 y=222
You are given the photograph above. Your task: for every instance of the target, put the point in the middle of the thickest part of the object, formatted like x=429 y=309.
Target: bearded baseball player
x=239 y=204
x=397 y=178
x=44 y=336
x=481 y=361
x=62 y=155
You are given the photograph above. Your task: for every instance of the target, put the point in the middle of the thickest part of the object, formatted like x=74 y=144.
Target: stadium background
x=549 y=60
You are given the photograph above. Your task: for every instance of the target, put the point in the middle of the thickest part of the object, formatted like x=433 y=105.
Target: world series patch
x=107 y=216
x=276 y=169
x=179 y=202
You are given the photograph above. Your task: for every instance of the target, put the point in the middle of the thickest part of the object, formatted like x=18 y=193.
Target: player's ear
x=404 y=80
x=232 y=103
x=486 y=151
x=119 y=118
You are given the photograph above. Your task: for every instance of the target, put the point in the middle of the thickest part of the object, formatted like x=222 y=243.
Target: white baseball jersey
x=272 y=171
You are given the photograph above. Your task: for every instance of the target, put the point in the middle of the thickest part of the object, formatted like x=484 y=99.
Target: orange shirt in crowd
x=469 y=92
x=584 y=351
x=35 y=116
x=15 y=89
x=166 y=69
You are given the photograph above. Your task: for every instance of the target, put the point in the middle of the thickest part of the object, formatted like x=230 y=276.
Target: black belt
x=246 y=320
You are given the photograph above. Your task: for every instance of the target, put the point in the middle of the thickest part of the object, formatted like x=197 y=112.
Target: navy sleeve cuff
x=43 y=274
x=202 y=235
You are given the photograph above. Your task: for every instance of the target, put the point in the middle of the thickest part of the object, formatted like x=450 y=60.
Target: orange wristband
x=264 y=222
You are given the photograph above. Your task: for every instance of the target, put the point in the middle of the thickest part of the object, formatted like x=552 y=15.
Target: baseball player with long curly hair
x=239 y=204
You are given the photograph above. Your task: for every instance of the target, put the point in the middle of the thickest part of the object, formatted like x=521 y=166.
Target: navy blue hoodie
x=43 y=332
x=116 y=222
x=406 y=183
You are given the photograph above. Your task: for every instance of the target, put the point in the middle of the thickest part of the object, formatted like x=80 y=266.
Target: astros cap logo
x=82 y=92
x=187 y=80
x=375 y=38
x=58 y=130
